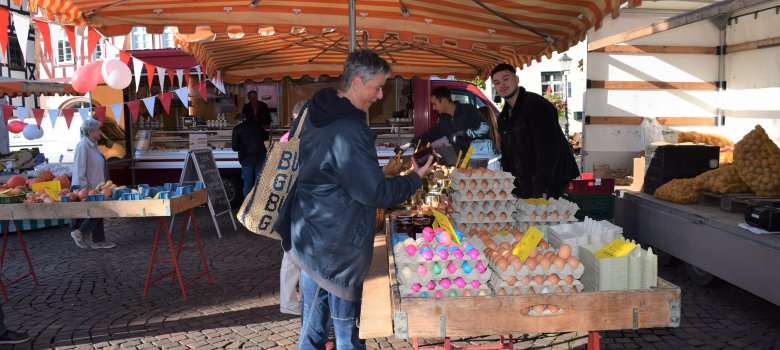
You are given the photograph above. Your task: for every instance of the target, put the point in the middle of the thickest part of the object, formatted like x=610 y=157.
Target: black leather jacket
x=249 y=141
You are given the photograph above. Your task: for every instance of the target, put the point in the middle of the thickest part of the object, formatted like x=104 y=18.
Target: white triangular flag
x=182 y=94
x=54 y=35
x=23 y=113
x=117 y=110
x=138 y=66
x=161 y=77
x=53 y=114
x=180 y=77
x=118 y=44
x=84 y=113
x=217 y=81
x=149 y=103
x=197 y=69
x=22 y=27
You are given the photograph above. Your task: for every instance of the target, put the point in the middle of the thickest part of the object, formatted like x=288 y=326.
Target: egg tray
x=457 y=175
x=613 y=273
x=524 y=217
x=501 y=226
x=539 y=270
x=575 y=234
x=460 y=293
x=547 y=311
x=485 y=206
x=462 y=220
x=407 y=288
x=414 y=276
x=402 y=258
x=553 y=205
x=474 y=196
x=543 y=289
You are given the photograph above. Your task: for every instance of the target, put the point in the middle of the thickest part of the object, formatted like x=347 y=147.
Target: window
x=64 y=51
x=15 y=57
x=141 y=40
x=554 y=82
x=166 y=39
x=462 y=96
x=98 y=53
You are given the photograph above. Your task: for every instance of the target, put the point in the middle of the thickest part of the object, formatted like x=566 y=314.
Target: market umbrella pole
x=352 y=38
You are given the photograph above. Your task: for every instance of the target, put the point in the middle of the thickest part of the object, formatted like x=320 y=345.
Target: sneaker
x=102 y=245
x=290 y=311
x=11 y=337
x=79 y=238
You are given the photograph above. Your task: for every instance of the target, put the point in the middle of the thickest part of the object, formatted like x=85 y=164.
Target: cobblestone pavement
x=91 y=299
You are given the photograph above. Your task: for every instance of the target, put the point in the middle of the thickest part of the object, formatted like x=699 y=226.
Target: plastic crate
x=12 y=199
x=597 y=206
x=591 y=186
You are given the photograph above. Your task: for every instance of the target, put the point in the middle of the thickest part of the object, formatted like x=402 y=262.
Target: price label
x=541 y=201
x=457 y=160
x=466 y=158
x=503 y=233
x=444 y=223
x=529 y=242
x=615 y=249
x=52 y=193
x=54 y=185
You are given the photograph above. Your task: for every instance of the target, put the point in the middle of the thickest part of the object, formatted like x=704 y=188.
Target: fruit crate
x=12 y=199
x=591 y=186
x=597 y=206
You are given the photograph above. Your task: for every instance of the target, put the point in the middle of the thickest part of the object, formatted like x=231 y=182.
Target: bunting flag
x=38 y=114
x=68 y=114
x=70 y=32
x=100 y=113
x=187 y=78
x=161 y=77
x=4 y=14
x=53 y=114
x=43 y=28
x=22 y=27
x=165 y=100
x=149 y=74
x=197 y=69
x=149 y=103
x=137 y=67
x=93 y=38
x=134 y=106
x=170 y=76
x=180 y=77
x=84 y=113
x=23 y=113
x=203 y=90
x=117 y=47
x=8 y=110
x=124 y=57
x=182 y=94
x=116 y=109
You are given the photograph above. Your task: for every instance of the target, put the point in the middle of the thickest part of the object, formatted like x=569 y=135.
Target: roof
x=19 y=87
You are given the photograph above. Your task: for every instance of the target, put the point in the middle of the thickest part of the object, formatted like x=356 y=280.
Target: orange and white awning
x=462 y=35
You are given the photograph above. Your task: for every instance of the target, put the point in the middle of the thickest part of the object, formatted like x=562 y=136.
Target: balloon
x=40 y=133
x=30 y=131
x=86 y=77
x=116 y=74
x=16 y=126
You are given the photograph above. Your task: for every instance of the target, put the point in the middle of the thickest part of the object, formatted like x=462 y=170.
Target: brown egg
x=566 y=215
x=532 y=216
x=496 y=183
x=491 y=195
x=488 y=251
x=469 y=216
x=462 y=184
x=506 y=253
x=543 y=216
x=502 y=264
x=525 y=281
x=573 y=262
x=485 y=184
x=553 y=309
x=501 y=291
x=531 y=263
x=481 y=216
x=549 y=255
x=507 y=183
x=516 y=234
x=564 y=251
x=573 y=290
x=554 y=216
x=491 y=216
x=504 y=245
x=485 y=233
x=545 y=262
x=544 y=245
x=511 y=280
x=538 y=309
x=478 y=172
x=492 y=244
x=559 y=290
x=524 y=227
x=473 y=232
x=559 y=263
x=502 y=194
x=469 y=195
x=473 y=184
x=488 y=173
x=569 y=279
x=467 y=172
x=530 y=291
x=481 y=195
x=502 y=216
x=525 y=311
x=517 y=264
x=539 y=280
x=533 y=253
x=554 y=279
x=517 y=291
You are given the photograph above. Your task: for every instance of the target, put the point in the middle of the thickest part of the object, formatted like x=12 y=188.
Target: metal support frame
x=22 y=248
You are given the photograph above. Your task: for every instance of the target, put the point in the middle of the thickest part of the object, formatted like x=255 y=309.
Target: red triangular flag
x=124 y=57
x=100 y=113
x=150 y=71
x=38 y=113
x=70 y=32
x=8 y=110
x=4 y=14
x=165 y=99
x=134 y=107
x=68 y=114
x=187 y=77
x=204 y=93
x=170 y=76
x=43 y=28
x=93 y=37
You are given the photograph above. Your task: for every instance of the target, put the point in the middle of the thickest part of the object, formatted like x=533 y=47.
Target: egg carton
x=460 y=293
x=402 y=256
x=457 y=175
x=602 y=274
x=410 y=273
x=499 y=226
x=525 y=271
x=547 y=288
x=544 y=219
x=587 y=232
x=484 y=206
x=483 y=183
x=405 y=289
x=554 y=205
x=487 y=221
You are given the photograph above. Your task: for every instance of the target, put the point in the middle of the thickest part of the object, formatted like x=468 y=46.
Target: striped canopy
x=464 y=38
x=19 y=87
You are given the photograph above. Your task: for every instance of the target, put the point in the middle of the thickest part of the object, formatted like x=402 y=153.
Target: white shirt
x=88 y=164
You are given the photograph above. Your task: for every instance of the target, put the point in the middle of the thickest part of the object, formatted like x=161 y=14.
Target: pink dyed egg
x=439 y=295
x=411 y=249
x=458 y=254
x=473 y=254
x=467 y=293
x=444 y=238
x=451 y=268
x=437 y=230
x=445 y=283
x=476 y=284
x=430 y=285
x=481 y=267
x=421 y=270
x=443 y=254
x=460 y=283
x=427 y=255
x=416 y=287
x=427 y=234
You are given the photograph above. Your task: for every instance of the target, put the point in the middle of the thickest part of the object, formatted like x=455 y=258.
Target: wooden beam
x=650 y=85
x=633 y=120
x=753 y=45
x=643 y=49
x=707 y=12
x=377 y=322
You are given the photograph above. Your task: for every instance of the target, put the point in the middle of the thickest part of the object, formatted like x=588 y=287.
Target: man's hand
x=422 y=170
x=401 y=149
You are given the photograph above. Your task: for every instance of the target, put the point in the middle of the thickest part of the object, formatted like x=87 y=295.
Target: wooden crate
x=106 y=209
x=734 y=202
x=495 y=315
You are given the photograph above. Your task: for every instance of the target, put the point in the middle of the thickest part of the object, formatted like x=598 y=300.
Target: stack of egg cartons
x=541 y=212
x=636 y=270
x=435 y=266
x=588 y=231
x=482 y=200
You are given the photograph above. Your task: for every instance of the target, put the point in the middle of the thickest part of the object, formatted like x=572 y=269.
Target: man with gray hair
x=328 y=219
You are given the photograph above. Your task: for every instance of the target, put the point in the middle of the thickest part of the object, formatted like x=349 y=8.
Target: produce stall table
x=414 y=318
x=705 y=237
x=161 y=208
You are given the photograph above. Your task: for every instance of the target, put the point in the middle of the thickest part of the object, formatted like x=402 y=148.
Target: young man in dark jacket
x=533 y=147
x=327 y=221
x=249 y=141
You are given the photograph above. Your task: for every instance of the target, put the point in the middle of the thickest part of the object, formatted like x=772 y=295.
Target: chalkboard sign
x=201 y=166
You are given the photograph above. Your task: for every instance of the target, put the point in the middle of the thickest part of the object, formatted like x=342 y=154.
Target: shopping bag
x=262 y=204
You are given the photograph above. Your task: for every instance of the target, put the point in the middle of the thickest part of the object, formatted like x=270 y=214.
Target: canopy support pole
x=352 y=38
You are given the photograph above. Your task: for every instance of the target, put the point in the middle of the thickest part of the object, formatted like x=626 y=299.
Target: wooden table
x=415 y=318
x=149 y=208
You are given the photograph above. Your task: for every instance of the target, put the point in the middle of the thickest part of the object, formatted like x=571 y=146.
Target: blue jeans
x=249 y=173
x=319 y=308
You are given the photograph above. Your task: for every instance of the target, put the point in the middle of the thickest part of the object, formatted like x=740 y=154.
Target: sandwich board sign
x=201 y=166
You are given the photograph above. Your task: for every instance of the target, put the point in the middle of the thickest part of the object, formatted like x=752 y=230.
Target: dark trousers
x=92 y=227
x=2 y=321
